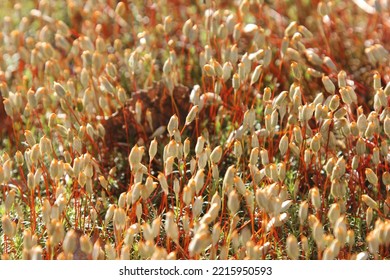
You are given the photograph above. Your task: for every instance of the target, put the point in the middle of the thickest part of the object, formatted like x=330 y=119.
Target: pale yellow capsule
x=371 y=176
x=135 y=156
x=119 y=218
x=186 y=147
x=109 y=214
x=227 y=71
x=256 y=74
x=70 y=242
x=334 y=103
x=209 y=70
x=8 y=226
x=163 y=182
x=370 y=202
x=350 y=238
x=303 y=211
x=315 y=144
x=315 y=198
x=292 y=247
x=229 y=176
x=192 y=114
x=216 y=154
x=173 y=125
x=237 y=149
x=152 y=149
x=199 y=243
x=334 y=213
x=233 y=202
x=171 y=228
x=86 y=244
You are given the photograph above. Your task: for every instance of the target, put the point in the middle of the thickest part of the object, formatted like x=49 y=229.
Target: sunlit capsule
x=192 y=114
x=216 y=154
x=351 y=93
x=340 y=113
x=294 y=149
x=283 y=145
x=345 y=96
x=354 y=129
x=229 y=176
x=369 y=201
x=209 y=70
x=264 y=157
x=171 y=227
x=199 y=180
x=373 y=244
x=187 y=195
x=256 y=74
x=318 y=234
x=119 y=218
x=9 y=227
x=168 y=165
x=218 y=68
x=315 y=198
x=163 y=182
x=236 y=81
x=303 y=211
x=186 y=147
x=370 y=130
x=334 y=103
x=306 y=112
x=199 y=243
x=135 y=156
x=273 y=172
x=70 y=242
x=152 y=149
x=227 y=71
x=315 y=144
x=292 y=247
x=171 y=149
x=233 y=202
x=199 y=145
x=173 y=125
x=334 y=213
x=369 y=216
x=328 y=84
x=197 y=206
x=341 y=79
x=350 y=238
x=371 y=176
x=386 y=178
x=362 y=123
x=375 y=156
